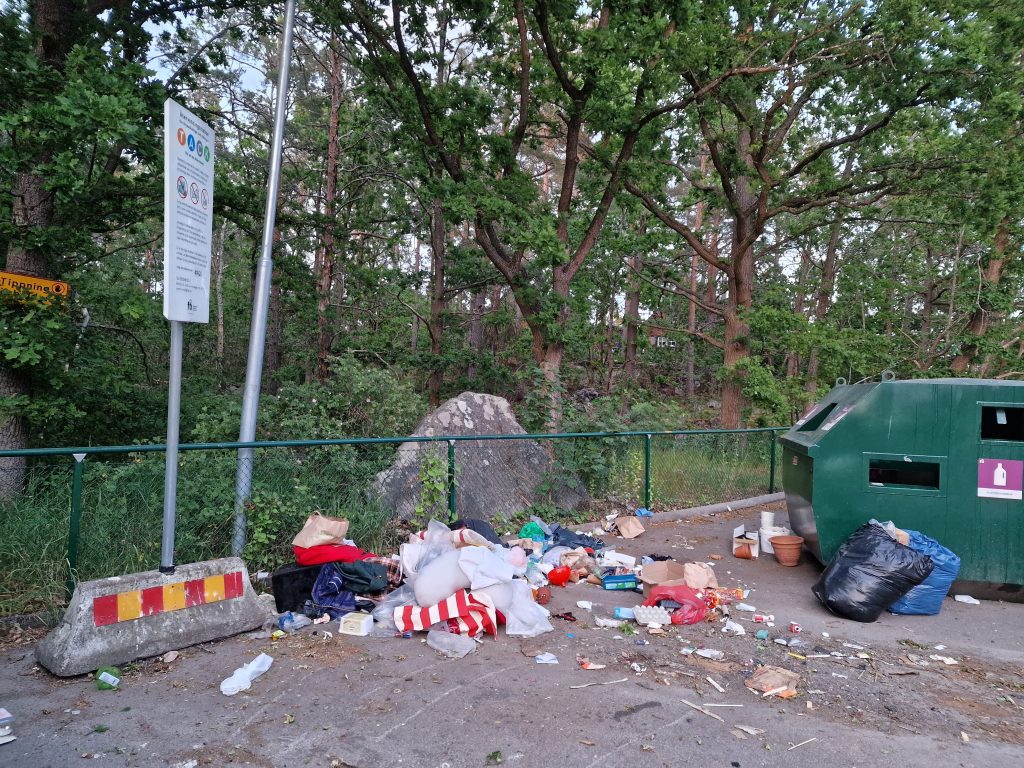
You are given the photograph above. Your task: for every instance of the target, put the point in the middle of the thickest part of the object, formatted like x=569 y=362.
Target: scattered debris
x=815 y=738
x=702 y=710
x=966 y=599
x=607 y=682
x=546 y=658
x=241 y=679
x=108 y=678
x=710 y=653
x=774 y=681
x=750 y=731
x=718 y=688
x=586 y=663
x=170 y=656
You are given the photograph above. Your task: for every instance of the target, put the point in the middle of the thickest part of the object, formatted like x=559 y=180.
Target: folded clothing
x=329 y=553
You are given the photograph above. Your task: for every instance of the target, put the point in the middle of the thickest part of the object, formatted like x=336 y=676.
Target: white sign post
x=188 y=238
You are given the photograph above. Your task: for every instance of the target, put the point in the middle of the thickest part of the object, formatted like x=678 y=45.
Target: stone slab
x=122 y=618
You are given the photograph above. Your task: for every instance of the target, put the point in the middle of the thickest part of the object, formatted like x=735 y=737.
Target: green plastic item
x=532 y=531
x=761 y=634
x=108 y=678
x=941 y=456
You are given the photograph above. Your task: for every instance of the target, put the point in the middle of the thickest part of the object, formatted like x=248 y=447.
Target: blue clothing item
x=330 y=595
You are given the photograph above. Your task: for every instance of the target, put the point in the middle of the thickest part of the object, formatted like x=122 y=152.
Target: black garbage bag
x=563 y=537
x=870 y=572
x=480 y=526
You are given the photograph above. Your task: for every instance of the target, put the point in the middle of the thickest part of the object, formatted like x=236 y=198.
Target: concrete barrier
x=123 y=618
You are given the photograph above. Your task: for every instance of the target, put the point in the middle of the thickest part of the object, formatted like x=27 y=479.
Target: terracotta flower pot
x=787 y=549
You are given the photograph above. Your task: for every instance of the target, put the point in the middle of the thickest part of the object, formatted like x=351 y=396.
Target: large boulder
x=494 y=477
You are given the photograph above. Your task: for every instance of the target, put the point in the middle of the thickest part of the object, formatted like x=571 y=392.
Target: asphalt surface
x=390 y=701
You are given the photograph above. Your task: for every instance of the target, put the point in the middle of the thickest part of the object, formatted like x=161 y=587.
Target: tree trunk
x=435 y=324
x=414 y=341
x=325 y=278
x=631 y=318
x=609 y=342
x=476 y=330
x=990 y=277
x=13 y=435
x=218 y=271
x=793 y=357
x=53 y=24
x=740 y=300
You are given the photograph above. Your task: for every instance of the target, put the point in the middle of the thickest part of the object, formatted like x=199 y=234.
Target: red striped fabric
x=468 y=613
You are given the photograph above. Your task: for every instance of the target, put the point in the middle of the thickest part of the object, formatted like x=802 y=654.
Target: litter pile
x=464 y=581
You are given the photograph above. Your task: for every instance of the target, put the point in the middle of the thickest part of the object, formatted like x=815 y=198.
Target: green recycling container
x=940 y=456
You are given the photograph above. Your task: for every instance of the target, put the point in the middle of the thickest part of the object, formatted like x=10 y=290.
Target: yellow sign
x=35 y=285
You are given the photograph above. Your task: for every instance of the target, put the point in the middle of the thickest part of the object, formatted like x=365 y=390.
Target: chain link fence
x=103 y=515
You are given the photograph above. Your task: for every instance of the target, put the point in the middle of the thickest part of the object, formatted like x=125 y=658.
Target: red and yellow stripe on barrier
x=138 y=603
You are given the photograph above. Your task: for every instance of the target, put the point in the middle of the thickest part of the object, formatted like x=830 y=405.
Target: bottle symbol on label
x=999 y=476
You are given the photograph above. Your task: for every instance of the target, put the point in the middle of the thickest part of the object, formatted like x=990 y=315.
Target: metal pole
x=771 y=464
x=76 y=521
x=171 y=458
x=647 y=471
x=451 y=480
x=261 y=293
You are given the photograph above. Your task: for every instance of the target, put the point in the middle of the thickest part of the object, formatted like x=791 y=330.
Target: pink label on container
x=1000 y=478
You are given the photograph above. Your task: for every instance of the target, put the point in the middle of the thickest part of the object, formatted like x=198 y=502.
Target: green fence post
x=76 y=520
x=647 y=471
x=771 y=463
x=451 y=479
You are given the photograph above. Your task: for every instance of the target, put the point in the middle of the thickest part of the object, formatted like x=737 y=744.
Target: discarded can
x=794 y=628
x=763 y=618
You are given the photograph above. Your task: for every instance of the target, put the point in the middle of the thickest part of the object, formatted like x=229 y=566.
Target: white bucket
x=767 y=520
x=767 y=532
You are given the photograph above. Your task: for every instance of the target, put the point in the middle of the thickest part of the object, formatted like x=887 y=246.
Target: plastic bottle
x=242 y=678
x=290 y=621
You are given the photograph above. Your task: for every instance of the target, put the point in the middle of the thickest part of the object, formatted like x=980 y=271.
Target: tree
x=818 y=82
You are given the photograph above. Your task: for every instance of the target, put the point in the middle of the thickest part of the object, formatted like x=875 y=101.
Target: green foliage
x=433 y=482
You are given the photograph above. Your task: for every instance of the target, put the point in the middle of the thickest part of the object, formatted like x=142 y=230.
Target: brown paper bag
x=321 y=529
x=629 y=527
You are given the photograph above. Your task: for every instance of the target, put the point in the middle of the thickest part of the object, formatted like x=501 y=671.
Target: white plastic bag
x=384 y=613
x=523 y=616
x=441 y=578
x=452 y=646
x=418 y=553
x=242 y=678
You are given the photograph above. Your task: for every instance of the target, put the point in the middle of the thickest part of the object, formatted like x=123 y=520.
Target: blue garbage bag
x=926 y=598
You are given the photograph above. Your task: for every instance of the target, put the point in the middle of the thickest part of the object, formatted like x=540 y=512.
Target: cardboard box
x=669 y=573
x=661 y=572
x=745 y=544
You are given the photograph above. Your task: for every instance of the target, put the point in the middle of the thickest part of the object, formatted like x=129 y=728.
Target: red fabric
x=329 y=553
